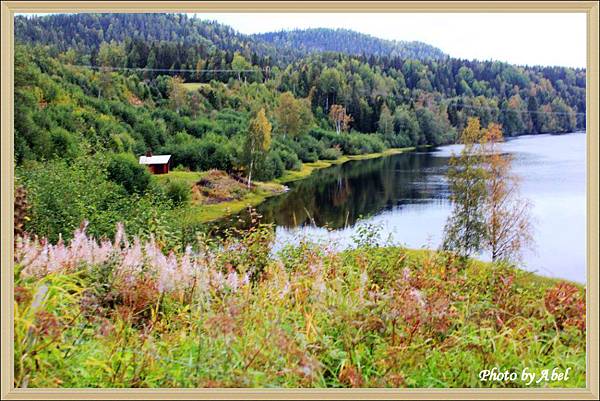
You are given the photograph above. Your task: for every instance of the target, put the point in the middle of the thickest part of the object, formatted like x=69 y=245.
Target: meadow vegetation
x=128 y=313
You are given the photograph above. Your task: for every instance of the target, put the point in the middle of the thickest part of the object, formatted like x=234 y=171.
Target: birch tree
x=508 y=219
x=177 y=93
x=465 y=231
x=339 y=118
x=258 y=141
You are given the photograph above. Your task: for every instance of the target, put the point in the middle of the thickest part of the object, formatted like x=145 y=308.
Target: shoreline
x=207 y=213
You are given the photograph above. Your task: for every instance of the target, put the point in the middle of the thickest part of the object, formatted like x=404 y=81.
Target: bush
x=64 y=144
x=331 y=154
x=201 y=154
x=309 y=149
x=396 y=140
x=290 y=159
x=353 y=143
x=178 y=192
x=269 y=168
x=124 y=169
x=179 y=167
x=325 y=136
x=62 y=196
x=360 y=144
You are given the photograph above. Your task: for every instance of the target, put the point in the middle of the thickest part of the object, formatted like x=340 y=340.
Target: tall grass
x=123 y=313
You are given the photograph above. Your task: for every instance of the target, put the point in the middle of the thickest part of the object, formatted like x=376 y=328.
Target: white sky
x=525 y=39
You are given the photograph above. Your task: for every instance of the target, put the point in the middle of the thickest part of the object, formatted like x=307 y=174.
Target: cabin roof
x=158 y=159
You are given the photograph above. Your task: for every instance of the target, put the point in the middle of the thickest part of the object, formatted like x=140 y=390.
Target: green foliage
x=466 y=229
x=124 y=169
x=386 y=121
x=293 y=116
x=63 y=144
x=331 y=154
x=269 y=167
x=434 y=129
x=62 y=196
x=68 y=113
x=178 y=192
x=309 y=317
x=201 y=154
x=257 y=144
x=289 y=158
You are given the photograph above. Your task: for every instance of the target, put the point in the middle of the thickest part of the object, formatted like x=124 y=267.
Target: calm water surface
x=406 y=196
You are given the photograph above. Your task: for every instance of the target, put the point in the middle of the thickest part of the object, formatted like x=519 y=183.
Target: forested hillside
x=95 y=91
x=202 y=38
x=409 y=101
x=349 y=42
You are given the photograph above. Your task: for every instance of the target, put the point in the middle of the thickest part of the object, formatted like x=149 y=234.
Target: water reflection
x=340 y=195
x=407 y=195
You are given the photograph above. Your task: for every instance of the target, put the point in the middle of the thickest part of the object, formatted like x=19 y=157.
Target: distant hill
x=85 y=33
x=348 y=42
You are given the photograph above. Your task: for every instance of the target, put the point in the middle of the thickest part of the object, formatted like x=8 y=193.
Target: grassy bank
x=196 y=213
x=236 y=317
x=308 y=168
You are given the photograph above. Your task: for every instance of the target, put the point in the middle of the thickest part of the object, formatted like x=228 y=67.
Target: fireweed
x=125 y=313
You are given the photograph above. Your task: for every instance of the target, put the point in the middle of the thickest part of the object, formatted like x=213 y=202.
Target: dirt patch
x=135 y=101
x=217 y=186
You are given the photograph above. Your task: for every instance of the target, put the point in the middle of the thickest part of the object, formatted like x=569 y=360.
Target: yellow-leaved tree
x=508 y=220
x=293 y=116
x=177 y=93
x=258 y=141
x=339 y=118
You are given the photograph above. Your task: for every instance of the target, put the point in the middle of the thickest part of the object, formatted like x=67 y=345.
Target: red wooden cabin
x=158 y=164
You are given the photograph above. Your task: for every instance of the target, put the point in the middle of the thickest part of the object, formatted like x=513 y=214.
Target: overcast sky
x=526 y=39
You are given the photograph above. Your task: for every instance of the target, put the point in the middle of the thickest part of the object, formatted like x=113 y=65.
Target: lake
x=406 y=197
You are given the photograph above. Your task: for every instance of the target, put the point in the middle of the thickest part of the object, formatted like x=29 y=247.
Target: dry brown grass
x=217 y=186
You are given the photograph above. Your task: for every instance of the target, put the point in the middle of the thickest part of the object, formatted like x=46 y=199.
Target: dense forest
x=302 y=42
x=106 y=88
x=200 y=38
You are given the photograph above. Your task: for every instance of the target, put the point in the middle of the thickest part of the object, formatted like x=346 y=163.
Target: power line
x=268 y=69
x=93 y=67
x=515 y=111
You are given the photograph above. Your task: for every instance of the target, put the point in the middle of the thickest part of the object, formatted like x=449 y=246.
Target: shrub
x=309 y=149
x=63 y=196
x=359 y=144
x=269 y=168
x=331 y=154
x=178 y=192
x=179 y=167
x=565 y=302
x=201 y=154
x=396 y=140
x=124 y=169
x=290 y=159
x=64 y=144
